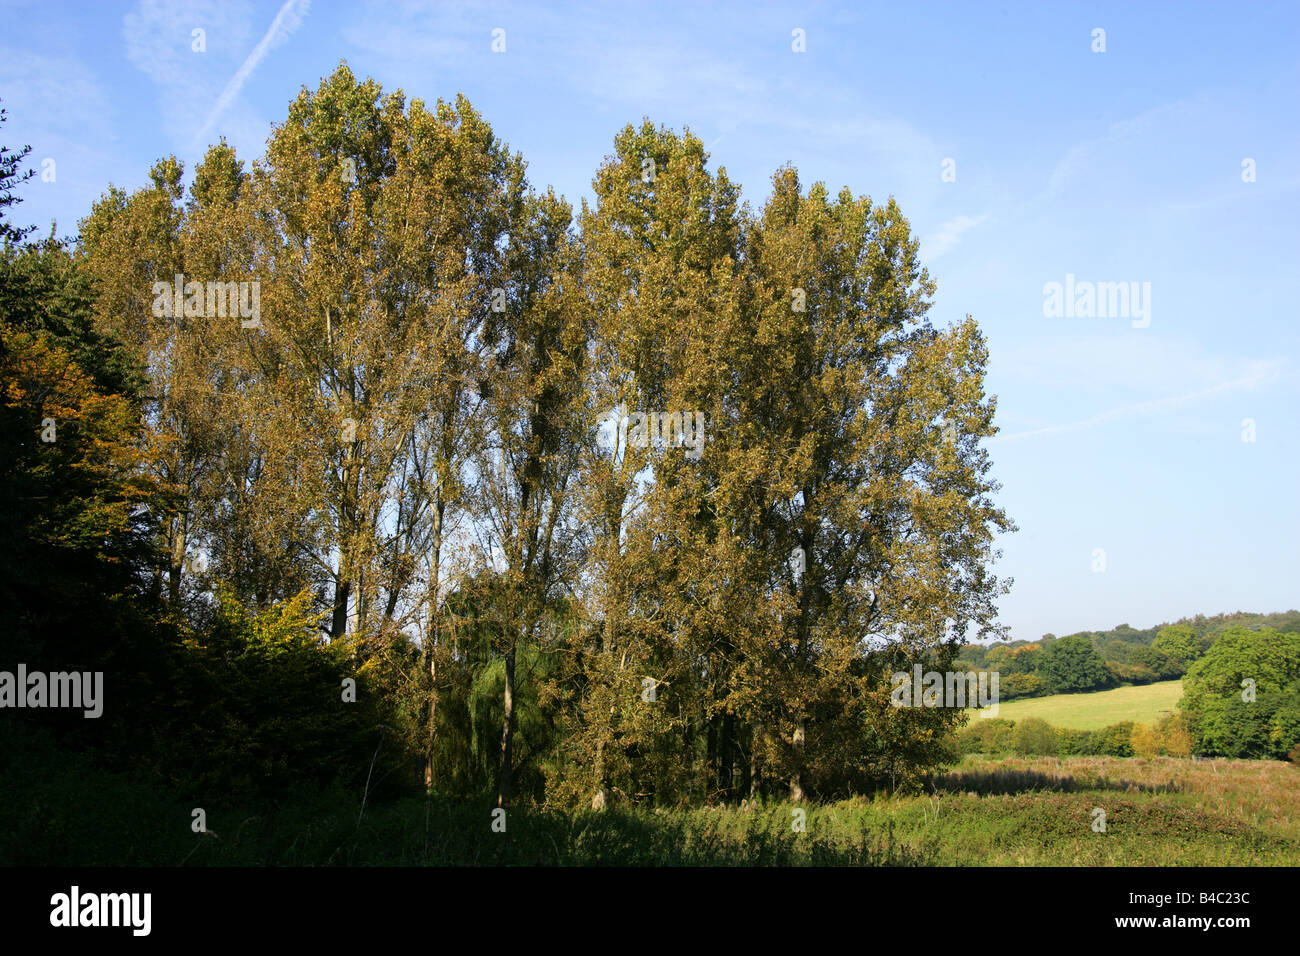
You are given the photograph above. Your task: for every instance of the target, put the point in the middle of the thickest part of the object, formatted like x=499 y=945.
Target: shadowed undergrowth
x=60 y=810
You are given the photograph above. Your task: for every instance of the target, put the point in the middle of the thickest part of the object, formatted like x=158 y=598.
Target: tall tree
x=74 y=550
x=379 y=231
x=11 y=176
x=694 y=479
x=128 y=243
x=662 y=252
x=527 y=466
x=858 y=428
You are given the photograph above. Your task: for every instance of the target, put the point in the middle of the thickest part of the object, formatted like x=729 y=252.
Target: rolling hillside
x=1144 y=704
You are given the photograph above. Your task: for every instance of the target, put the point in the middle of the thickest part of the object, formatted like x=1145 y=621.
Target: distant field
x=1144 y=704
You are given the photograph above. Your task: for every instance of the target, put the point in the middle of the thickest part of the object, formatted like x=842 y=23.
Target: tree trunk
x=433 y=722
x=796 y=781
x=174 y=583
x=711 y=758
x=805 y=596
x=339 y=623
x=507 y=729
x=726 y=749
x=605 y=731
x=599 y=798
x=176 y=565
x=431 y=639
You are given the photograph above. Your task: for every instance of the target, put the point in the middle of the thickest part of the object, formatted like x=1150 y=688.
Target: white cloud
x=1264 y=372
x=282 y=28
x=947 y=234
x=1125 y=360
x=54 y=91
x=1085 y=157
x=158 y=40
x=58 y=107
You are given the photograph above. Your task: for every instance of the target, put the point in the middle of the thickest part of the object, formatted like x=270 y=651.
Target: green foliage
x=1011 y=686
x=1076 y=743
x=1154 y=664
x=1115 y=740
x=1072 y=665
x=73 y=560
x=1034 y=737
x=1243 y=695
x=994 y=735
x=1112 y=741
x=258 y=707
x=1127 y=650
x=1179 y=643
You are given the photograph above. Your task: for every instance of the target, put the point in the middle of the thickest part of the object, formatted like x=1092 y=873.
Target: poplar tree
x=876 y=488
x=128 y=243
x=380 y=230
x=690 y=481
x=527 y=465
x=661 y=267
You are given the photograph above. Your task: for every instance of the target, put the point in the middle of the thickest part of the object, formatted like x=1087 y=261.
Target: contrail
x=286 y=22
x=1144 y=408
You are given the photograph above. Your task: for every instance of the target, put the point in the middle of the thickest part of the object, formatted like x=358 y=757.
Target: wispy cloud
x=159 y=37
x=282 y=28
x=1084 y=157
x=60 y=108
x=748 y=96
x=57 y=98
x=1264 y=373
x=947 y=234
x=1096 y=361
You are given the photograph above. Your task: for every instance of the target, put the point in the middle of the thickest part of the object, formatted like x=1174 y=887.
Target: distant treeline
x=1096 y=660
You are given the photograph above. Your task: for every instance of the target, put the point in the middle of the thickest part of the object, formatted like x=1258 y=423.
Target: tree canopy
x=345 y=412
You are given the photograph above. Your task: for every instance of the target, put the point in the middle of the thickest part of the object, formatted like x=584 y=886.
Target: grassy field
x=1011 y=812
x=1144 y=704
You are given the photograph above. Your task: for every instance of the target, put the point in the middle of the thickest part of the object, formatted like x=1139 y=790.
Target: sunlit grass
x=1143 y=704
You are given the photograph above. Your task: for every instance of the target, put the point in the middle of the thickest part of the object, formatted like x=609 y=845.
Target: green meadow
x=1009 y=811
x=1143 y=704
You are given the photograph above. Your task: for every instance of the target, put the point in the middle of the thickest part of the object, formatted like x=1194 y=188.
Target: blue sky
x=1118 y=433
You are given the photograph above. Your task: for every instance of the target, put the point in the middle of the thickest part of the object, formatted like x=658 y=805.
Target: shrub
x=1146 y=740
x=1034 y=737
x=1075 y=743
x=1115 y=740
x=986 y=736
x=1169 y=737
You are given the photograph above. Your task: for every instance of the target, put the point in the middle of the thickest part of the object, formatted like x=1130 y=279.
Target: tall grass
x=1012 y=811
